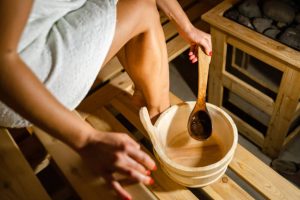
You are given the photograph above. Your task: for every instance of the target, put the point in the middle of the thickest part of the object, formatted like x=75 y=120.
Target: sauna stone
x=291 y=37
x=250 y=8
x=232 y=14
x=279 y=11
x=261 y=24
x=272 y=32
x=245 y=21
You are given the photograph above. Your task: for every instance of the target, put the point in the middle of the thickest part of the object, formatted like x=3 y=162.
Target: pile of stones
x=277 y=19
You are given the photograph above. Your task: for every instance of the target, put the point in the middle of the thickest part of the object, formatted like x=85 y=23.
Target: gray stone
x=297 y=18
x=279 y=11
x=261 y=24
x=245 y=21
x=281 y=24
x=249 y=8
x=232 y=14
x=291 y=37
x=272 y=32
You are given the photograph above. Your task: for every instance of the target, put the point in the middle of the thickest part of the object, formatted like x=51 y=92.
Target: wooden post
x=284 y=109
x=217 y=66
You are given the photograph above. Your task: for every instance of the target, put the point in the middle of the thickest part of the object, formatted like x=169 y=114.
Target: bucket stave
x=187 y=161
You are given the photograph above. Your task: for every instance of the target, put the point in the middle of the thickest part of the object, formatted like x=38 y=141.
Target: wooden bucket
x=190 y=162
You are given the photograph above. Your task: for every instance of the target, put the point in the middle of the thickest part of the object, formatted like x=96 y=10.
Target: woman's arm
x=185 y=28
x=21 y=90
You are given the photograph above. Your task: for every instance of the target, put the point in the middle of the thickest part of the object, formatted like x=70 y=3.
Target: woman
x=51 y=52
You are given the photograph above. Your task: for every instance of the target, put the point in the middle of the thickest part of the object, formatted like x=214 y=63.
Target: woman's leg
x=140 y=46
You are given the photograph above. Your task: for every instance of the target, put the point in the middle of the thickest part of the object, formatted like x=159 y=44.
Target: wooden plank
x=164 y=188
x=249 y=93
x=254 y=39
x=111 y=69
x=123 y=105
x=225 y=188
x=248 y=108
x=217 y=66
x=247 y=130
x=244 y=69
x=261 y=177
x=17 y=179
x=285 y=106
x=257 y=53
x=291 y=136
x=87 y=185
x=105 y=94
x=193 y=13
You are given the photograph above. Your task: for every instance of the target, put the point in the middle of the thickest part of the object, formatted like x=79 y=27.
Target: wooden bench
x=107 y=115
x=108 y=108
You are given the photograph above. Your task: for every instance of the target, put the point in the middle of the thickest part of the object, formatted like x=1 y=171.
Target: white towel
x=65 y=43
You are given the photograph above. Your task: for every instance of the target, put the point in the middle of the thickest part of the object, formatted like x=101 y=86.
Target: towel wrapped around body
x=65 y=43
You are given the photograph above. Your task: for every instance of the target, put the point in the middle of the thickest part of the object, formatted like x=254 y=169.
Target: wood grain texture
x=282 y=109
x=254 y=39
x=164 y=188
x=17 y=179
x=122 y=104
x=261 y=177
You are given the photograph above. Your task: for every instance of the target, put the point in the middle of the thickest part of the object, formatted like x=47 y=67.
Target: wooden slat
x=244 y=69
x=107 y=92
x=193 y=13
x=256 y=173
x=87 y=185
x=261 y=177
x=291 y=136
x=17 y=179
x=217 y=66
x=254 y=39
x=123 y=105
x=249 y=93
x=286 y=104
x=247 y=130
x=164 y=188
x=225 y=188
x=111 y=69
x=257 y=53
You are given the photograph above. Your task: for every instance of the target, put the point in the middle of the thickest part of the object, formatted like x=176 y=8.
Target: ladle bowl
x=187 y=161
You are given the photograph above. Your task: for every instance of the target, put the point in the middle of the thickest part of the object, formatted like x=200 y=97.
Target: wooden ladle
x=199 y=123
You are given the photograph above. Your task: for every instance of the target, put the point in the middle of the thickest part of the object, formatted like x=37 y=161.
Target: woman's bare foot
x=139 y=101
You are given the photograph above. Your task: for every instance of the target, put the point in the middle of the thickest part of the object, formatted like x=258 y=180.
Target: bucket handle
x=146 y=121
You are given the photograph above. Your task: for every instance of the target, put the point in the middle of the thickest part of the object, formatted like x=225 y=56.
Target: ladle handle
x=146 y=121
x=203 y=67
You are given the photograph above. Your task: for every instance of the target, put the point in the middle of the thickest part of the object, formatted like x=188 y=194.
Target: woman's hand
x=111 y=153
x=186 y=29
x=195 y=38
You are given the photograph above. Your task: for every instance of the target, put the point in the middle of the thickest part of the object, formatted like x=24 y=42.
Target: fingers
x=202 y=39
x=128 y=141
x=142 y=158
x=117 y=187
x=193 y=54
